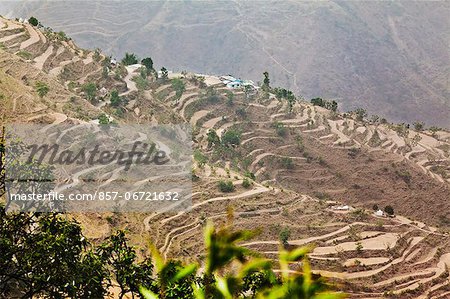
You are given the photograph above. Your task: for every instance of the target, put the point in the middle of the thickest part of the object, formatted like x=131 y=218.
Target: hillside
x=303 y=165
x=390 y=58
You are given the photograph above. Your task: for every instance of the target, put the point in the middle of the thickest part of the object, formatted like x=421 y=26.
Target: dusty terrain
x=334 y=160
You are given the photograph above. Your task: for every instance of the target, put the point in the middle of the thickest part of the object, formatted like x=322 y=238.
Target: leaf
x=159 y=261
x=330 y=296
x=297 y=254
x=222 y=286
x=186 y=271
x=147 y=293
x=254 y=265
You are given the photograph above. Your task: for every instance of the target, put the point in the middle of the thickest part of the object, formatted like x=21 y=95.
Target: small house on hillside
x=235 y=84
x=379 y=213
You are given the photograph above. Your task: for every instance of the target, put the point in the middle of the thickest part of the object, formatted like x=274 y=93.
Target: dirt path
x=34 y=37
x=301 y=242
x=197 y=116
x=131 y=85
x=40 y=60
x=254 y=191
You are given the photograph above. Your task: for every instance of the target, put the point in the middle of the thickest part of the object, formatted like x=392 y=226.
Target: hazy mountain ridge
x=391 y=58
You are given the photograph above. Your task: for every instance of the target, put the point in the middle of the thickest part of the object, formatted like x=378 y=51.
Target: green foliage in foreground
x=45 y=255
x=252 y=276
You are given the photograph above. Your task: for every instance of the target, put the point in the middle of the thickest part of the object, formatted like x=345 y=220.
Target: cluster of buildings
x=22 y=20
x=232 y=83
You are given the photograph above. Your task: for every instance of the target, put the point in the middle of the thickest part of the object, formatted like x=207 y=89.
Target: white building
x=379 y=213
x=235 y=84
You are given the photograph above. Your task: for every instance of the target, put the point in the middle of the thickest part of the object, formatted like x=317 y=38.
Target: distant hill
x=391 y=58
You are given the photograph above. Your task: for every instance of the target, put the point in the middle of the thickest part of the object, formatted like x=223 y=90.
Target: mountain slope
x=391 y=58
x=303 y=166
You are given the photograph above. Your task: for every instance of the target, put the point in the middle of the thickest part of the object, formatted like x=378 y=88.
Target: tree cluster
x=330 y=105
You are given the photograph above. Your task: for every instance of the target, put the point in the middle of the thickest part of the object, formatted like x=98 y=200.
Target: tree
x=284 y=235
x=124 y=268
x=331 y=105
x=148 y=63
x=179 y=87
x=266 y=81
x=434 y=131
x=317 y=102
x=164 y=74
x=419 y=126
x=103 y=119
x=129 y=59
x=44 y=255
x=33 y=21
x=389 y=210
x=90 y=90
x=375 y=207
x=42 y=89
x=116 y=101
x=360 y=114
x=212 y=138
x=231 y=138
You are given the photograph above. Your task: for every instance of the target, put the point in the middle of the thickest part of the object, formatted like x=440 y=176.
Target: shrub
x=246 y=183
x=116 y=101
x=226 y=186
x=200 y=158
x=25 y=54
x=280 y=128
x=287 y=162
x=178 y=86
x=129 y=59
x=90 y=90
x=250 y=175
x=42 y=89
x=241 y=112
x=103 y=119
x=404 y=175
x=141 y=83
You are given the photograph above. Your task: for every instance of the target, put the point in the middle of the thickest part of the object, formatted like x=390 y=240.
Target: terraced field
x=304 y=161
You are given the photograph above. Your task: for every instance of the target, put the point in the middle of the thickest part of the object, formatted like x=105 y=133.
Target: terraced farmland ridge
x=302 y=168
